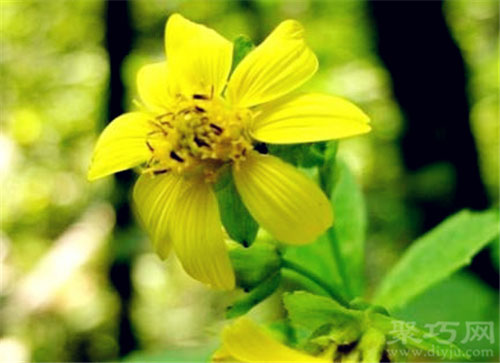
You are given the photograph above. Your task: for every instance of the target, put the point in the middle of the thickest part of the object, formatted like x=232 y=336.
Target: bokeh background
x=79 y=281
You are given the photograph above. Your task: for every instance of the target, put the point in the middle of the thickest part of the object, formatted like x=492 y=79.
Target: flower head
x=195 y=123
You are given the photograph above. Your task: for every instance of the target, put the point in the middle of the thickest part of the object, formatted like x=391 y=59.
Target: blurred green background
x=59 y=248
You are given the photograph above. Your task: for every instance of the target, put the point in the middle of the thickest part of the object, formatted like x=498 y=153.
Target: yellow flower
x=244 y=341
x=195 y=124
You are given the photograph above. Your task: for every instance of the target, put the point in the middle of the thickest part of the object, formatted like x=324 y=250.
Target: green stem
x=327 y=170
x=314 y=278
x=337 y=256
x=328 y=178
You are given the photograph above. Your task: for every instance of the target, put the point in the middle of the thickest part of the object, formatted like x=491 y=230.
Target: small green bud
x=254 y=264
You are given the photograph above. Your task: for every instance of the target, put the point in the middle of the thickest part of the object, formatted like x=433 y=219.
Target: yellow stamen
x=199 y=136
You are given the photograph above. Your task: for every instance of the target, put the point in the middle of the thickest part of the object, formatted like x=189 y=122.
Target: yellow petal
x=199 y=58
x=122 y=145
x=282 y=200
x=280 y=64
x=198 y=238
x=308 y=118
x=246 y=342
x=153 y=87
x=155 y=197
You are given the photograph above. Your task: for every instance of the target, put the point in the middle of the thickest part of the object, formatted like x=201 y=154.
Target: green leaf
x=254 y=297
x=340 y=331
x=235 y=217
x=478 y=302
x=312 y=311
x=254 y=264
x=306 y=155
x=350 y=227
x=327 y=175
x=399 y=331
x=329 y=321
x=436 y=255
x=495 y=255
x=242 y=45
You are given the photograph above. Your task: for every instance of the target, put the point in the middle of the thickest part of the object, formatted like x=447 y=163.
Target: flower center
x=199 y=136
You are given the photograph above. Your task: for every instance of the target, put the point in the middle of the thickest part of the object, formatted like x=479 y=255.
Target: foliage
x=350 y=228
x=254 y=296
x=436 y=255
x=344 y=326
x=330 y=320
x=254 y=264
x=236 y=219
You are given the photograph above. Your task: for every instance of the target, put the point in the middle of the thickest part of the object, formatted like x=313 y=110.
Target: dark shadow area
x=119 y=37
x=429 y=82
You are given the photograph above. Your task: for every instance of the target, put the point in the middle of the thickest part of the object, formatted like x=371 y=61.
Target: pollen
x=200 y=135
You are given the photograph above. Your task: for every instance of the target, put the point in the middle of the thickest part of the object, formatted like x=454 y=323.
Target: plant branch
x=314 y=278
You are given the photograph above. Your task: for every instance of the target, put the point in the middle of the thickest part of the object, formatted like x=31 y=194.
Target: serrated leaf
x=436 y=255
x=254 y=264
x=242 y=45
x=350 y=227
x=237 y=221
x=329 y=320
x=313 y=311
x=254 y=297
